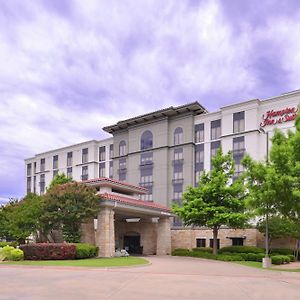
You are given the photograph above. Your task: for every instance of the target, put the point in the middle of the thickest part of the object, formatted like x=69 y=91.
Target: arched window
x=178 y=136
x=146 y=140
x=122 y=148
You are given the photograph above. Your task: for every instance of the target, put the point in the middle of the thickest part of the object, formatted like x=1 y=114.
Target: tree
x=59 y=179
x=22 y=218
x=274 y=186
x=217 y=200
x=67 y=206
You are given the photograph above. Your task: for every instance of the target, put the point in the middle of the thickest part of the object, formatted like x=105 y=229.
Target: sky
x=68 y=68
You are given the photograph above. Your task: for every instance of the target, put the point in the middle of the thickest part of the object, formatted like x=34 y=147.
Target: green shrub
x=277 y=260
x=10 y=253
x=15 y=255
x=202 y=249
x=181 y=252
x=292 y=257
x=241 y=249
x=280 y=259
x=85 y=250
x=13 y=244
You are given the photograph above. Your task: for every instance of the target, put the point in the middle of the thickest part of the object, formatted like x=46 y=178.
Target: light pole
x=266 y=260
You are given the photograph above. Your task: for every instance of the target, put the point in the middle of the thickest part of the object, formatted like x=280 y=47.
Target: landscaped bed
x=258 y=265
x=89 y=262
x=239 y=253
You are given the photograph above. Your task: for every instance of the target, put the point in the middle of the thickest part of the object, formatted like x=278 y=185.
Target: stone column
x=88 y=232
x=106 y=232
x=163 y=236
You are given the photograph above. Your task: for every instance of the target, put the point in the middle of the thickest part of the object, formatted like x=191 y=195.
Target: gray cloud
x=70 y=67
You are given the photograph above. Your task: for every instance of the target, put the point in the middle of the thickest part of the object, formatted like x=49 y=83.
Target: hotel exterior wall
x=186 y=237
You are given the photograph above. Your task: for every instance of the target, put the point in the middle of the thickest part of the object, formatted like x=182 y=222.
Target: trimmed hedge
x=12 y=244
x=203 y=249
x=241 y=249
x=45 y=251
x=282 y=251
x=85 y=250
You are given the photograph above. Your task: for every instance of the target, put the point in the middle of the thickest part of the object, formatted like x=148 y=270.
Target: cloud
x=70 y=67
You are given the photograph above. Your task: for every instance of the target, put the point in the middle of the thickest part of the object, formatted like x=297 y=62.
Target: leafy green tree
x=274 y=186
x=22 y=218
x=67 y=206
x=216 y=201
x=59 y=179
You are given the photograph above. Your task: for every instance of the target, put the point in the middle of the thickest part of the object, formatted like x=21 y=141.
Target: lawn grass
x=89 y=262
x=258 y=265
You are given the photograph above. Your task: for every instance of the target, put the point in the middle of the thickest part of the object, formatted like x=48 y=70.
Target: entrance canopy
x=122 y=211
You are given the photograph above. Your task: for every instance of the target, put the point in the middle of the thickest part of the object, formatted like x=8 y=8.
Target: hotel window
x=178 y=136
x=178 y=173
x=146 y=140
x=177 y=192
x=178 y=155
x=28 y=185
x=238 y=154
x=102 y=153
x=69 y=159
x=111 y=151
x=42 y=184
x=200 y=243
x=122 y=169
x=102 y=169
x=239 y=122
x=215 y=127
x=85 y=173
x=55 y=162
x=199 y=133
x=28 y=169
x=55 y=172
x=34 y=184
x=237 y=241
x=214 y=147
x=85 y=155
x=146 y=173
x=69 y=172
x=34 y=167
x=111 y=164
x=199 y=162
x=43 y=162
x=146 y=158
x=149 y=195
x=211 y=243
x=122 y=148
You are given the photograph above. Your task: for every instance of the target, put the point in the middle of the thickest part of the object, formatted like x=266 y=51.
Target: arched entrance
x=132 y=242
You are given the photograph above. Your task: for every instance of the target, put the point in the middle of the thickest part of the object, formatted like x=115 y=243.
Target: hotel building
x=165 y=151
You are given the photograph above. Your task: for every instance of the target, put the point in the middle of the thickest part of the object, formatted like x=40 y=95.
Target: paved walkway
x=167 y=278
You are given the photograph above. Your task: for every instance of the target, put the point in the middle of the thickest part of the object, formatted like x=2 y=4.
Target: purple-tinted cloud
x=68 y=66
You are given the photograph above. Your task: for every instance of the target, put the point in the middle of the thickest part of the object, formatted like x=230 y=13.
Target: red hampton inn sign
x=273 y=117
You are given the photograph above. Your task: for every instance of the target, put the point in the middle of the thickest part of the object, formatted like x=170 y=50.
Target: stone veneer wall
x=186 y=237
x=146 y=229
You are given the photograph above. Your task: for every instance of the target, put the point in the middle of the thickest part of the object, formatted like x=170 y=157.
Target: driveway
x=166 y=278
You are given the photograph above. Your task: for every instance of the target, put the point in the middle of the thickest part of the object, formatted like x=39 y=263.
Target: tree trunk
x=215 y=240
